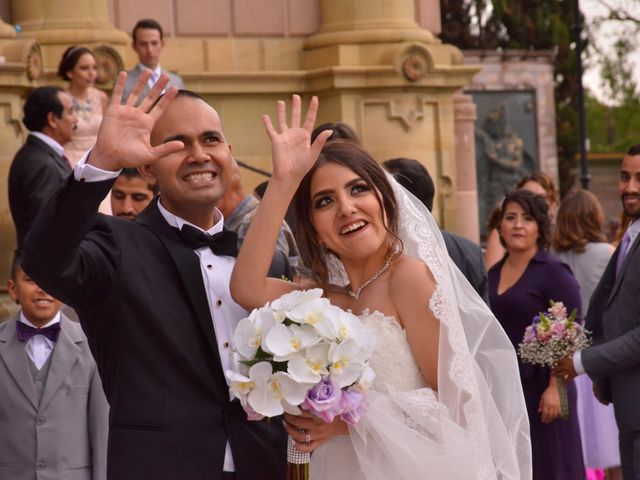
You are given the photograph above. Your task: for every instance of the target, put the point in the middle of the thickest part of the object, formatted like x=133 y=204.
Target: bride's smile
x=346 y=212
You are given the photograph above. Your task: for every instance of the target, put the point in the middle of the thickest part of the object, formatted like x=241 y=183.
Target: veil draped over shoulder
x=476 y=425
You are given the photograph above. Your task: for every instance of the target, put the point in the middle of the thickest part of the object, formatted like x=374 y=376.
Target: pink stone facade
x=238 y=18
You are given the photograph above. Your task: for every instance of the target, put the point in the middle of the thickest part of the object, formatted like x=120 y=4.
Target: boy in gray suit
x=53 y=412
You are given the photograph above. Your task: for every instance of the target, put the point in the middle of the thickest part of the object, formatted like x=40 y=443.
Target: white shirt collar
x=53 y=321
x=59 y=149
x=178 y=222
x=157 y=70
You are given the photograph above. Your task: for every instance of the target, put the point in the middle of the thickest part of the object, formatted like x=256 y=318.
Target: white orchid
x=295 y=298
x=270 y=390
x=347 y=360
x=284 y=340
x=348 y=326
x=317 y=314
x=311 y=364
x=315 y=341
x=365 y=381
x=250 y=332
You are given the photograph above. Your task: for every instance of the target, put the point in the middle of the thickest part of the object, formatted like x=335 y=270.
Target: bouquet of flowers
x=551 y=336
x=301 y=353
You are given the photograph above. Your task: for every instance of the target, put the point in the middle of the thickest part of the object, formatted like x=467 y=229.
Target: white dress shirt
x=39 y=347
x=633 y=229
x=216 y=272
x=155 y=74
x=59 y=149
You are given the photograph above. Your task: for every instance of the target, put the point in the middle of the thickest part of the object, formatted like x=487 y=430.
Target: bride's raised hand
x=124 y=135
x=292 y=152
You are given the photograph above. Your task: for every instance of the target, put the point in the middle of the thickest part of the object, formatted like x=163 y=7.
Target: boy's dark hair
x=146 y=23
x=413 y=176
x=39 y=103
x=15 y=264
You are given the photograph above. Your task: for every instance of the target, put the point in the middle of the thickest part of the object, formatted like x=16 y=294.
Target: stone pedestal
x=57 y=24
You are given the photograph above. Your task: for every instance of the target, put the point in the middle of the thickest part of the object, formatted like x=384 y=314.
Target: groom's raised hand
x=124 y=135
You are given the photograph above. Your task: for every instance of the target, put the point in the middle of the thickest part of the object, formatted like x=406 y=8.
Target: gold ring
x=566 y=376
x=307 y=438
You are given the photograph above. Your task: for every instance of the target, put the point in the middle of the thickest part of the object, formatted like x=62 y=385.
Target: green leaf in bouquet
x=545 y=322
x=572 y=318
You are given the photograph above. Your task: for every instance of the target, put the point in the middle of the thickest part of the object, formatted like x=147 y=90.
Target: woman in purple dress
x=520 y=286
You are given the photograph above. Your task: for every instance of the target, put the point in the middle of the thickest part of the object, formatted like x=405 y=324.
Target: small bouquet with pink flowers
x=551 y=336
x=301 y=353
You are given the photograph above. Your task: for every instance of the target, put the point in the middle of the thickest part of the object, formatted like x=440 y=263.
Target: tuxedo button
x=41 y=421
x=219 y=302
x=225 y=344
x=209 y=267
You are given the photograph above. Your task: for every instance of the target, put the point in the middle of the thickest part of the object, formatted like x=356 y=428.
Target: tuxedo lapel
x=14 y=357
x=57 y=159
x=64 y=356
x=188 y=265
x=620 y=275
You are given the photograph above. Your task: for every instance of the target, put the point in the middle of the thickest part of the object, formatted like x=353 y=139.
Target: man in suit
x=467 y=256
x=148 y=42
x=39 y=167
x=239 y=209
x=53 y=412
x=153 y=294
x=131 y=194
x=613 y=362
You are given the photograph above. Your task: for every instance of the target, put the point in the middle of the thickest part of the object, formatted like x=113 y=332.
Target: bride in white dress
x=446 y=402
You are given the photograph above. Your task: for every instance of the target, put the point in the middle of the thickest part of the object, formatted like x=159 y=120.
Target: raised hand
x=124 y=135
x=293 y=155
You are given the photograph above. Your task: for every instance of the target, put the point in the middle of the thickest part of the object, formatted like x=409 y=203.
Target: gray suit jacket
x=613 y=362
x=134 y=74
x=65 y=435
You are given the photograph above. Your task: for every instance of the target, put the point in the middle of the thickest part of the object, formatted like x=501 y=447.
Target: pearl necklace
x=355 y=295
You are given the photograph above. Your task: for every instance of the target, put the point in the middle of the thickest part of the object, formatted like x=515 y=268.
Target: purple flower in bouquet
x=536 y=320
x=353 y=406
x=323 y=400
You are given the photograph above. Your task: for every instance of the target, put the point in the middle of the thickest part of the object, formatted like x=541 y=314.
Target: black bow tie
x=221 y=243
x=26 y=332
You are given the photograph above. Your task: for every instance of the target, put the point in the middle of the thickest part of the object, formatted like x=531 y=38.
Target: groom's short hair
x=413 y=176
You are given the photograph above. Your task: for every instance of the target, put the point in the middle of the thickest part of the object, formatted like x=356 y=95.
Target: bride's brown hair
x=353 y=157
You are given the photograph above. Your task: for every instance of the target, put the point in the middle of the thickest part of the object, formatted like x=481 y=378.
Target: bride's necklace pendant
x=356 y=295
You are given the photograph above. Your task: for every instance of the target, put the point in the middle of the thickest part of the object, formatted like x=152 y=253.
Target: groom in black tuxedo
x=155 y=303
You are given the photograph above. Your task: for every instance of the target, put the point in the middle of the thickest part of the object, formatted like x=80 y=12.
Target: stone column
x=467 y=189
x=368 y=21
x=57 y=24
x=377 y=70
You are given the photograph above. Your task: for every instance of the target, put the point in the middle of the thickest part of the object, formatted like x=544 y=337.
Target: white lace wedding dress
x=401 y=435
x=476 y=426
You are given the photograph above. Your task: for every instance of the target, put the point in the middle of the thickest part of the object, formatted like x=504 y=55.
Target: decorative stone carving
x=415 y=64
x=397 y=111
x=34 y=62
x=109 y=63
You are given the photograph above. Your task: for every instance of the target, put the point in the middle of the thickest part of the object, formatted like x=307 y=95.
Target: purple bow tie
x=25 y=332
